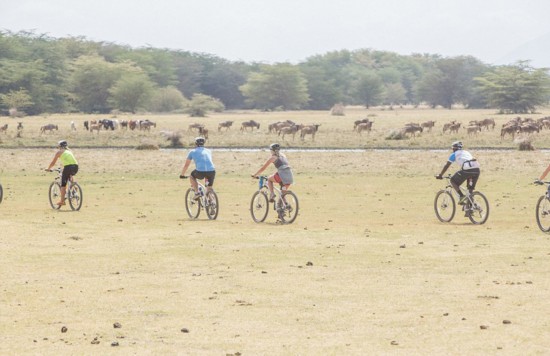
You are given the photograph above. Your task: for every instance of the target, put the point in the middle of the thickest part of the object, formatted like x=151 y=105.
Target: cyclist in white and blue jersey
x=469 y=170
x=204 y=167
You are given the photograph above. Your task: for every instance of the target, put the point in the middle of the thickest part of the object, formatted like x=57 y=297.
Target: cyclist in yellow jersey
x=70 y=167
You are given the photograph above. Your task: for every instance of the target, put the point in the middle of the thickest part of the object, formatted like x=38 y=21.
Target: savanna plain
x=365 y=269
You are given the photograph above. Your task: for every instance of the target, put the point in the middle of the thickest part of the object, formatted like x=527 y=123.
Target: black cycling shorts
x=460 y=176
x=210 y=176
x=68 y=171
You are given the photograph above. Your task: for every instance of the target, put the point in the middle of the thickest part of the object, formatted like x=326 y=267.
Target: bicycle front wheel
x=212 y=206
x=54 y=194
x=543 y=214
x=192 y=206
x=75 y=196
x=259 y=206
x=289 y=209
x=1 y=193
x=479 y=209
x=444 y=206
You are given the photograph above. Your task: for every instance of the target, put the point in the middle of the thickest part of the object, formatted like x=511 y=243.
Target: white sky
x=292 y=30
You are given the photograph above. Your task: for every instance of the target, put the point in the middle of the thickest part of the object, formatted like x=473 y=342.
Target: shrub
x=524 y=144
x=396 y=135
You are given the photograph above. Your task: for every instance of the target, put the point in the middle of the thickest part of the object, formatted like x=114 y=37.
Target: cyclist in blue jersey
x=469 y=170
x=204 y=168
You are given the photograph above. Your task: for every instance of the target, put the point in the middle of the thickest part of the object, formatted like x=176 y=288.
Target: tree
x=395 y=94
x=167 y=100
x=516 y=89
x=200 y=104
x=131 y=92
x=15 y=100
x=368 y=89
x=280 y=86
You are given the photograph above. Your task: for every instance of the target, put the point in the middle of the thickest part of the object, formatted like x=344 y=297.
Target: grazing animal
x=132 y=124
x=455 y=127
x=146 y=125
x=195 y=126
x=309 y=130
x=290 y=130
x=412 y=129
x=488 y=124
x=358 y=122
x=250 y=124
x=509 y=130
x=73 y=126
x=124 y=124
x=19 y=126
x=49 y=128
x=4 y=128
x=95 y=127
x=447 y=126
x=428 y=125
x=203 y=131
x=87 y=125
x=472 y=129
x=529 y=128
x=364 y=126
x=226 y=124
x=107 y=124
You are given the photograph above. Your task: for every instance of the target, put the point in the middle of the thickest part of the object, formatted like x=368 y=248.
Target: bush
x=147 y=146
x=524 y=144
x=396 y=135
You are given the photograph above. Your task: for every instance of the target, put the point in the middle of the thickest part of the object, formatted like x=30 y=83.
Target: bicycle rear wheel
x=212 y=206
x=444 y=206
x=479 y=208
x=289 y=210
x=75 y=196
x=543 y=214
x=259 y=206
x=192 y=206
x=54 y=194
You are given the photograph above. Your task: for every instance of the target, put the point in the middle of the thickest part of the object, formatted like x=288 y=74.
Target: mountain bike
x=543 y=208
x=285 y=203
x=73 y=192
x=208 y=200
x=476 y=207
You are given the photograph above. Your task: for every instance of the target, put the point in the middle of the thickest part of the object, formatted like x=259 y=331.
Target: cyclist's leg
x=193 y=181
x=274 y=178
x=456 y=180
x=209 y=180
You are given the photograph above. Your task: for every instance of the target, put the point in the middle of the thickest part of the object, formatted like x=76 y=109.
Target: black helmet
x=275 y=147
x=199 y=141
x=62 y=144
x=457 y=145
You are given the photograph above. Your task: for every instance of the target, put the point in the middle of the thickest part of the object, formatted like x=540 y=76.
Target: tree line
x=40 y=74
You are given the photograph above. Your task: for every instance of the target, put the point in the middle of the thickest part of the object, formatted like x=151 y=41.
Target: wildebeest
x=529 y=128
x=4 y=128
x=49 y=128
x=251 y=123
x=412 y=129
x=428 y=125
x=146 y=124
x=203 y=131
x=195 y=126
x=290 y=130
x=364 y=126
x=487 y=123
x=95 y=126
x=19 y=126
x=358 y=122
x=107 y=124
x=124 y=124
x=510 y=129
x=132 y=124
x=472 y=129
x=278 y=126
x=86 y=125
x=226 y=124
x=309 y=130
x=447 y=126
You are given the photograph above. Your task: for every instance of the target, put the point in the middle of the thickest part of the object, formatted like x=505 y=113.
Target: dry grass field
x=334 y=132
x=365 y=269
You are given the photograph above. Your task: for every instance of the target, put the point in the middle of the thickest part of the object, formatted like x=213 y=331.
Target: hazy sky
x=292 y=30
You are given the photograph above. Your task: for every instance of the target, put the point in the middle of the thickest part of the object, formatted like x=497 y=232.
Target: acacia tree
x=281 y=86
x=167 y=99
x=15 y=100
x=200 y=104
x=516 y=89
x=368 y=90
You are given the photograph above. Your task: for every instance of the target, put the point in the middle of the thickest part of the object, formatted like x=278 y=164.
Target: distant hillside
x=537 y=51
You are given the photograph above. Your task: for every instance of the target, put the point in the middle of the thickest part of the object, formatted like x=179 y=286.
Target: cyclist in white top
x=469 y=170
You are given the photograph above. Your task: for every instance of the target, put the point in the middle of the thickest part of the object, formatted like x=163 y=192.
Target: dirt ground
x=365 y=269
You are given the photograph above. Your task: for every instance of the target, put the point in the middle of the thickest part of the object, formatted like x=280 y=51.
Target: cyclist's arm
x=447 y=165
x=545 y=173
x=185 y=166
x=266 y=164
x=54 y=160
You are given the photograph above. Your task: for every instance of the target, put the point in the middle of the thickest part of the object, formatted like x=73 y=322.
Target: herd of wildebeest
x=289 y=128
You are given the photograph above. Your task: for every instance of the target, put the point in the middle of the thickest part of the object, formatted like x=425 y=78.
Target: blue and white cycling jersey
x=464 y=159
x=203 y=159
